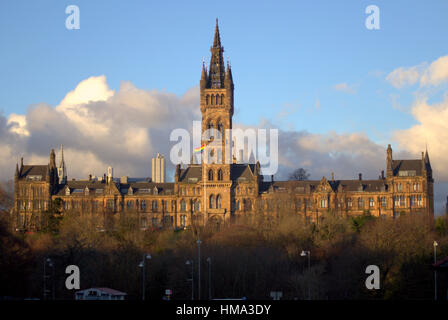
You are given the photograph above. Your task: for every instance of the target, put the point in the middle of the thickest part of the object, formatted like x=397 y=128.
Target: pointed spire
x=427 y=156
x=217 y=40
x=61 y=162
x=17 y=170
x=216 y=70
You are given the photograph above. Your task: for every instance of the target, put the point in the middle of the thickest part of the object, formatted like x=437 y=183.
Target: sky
x=112 y=90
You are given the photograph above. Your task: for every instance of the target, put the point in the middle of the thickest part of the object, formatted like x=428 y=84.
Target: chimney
x=90 y=177
x=382 y=174
x=272 y=177
x=360 y=176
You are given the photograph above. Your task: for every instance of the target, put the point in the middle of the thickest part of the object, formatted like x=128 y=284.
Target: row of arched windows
x=211 y=175
x=215 y=203
x=217 y=99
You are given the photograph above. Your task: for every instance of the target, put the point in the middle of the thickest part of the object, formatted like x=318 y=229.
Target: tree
x=299 y=174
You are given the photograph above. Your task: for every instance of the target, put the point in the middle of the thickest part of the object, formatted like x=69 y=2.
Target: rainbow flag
x=199 y=149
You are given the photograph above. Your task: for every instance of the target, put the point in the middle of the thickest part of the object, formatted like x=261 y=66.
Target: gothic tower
x=216 y=100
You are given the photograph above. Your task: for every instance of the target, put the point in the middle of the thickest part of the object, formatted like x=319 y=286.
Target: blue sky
x=284 y=54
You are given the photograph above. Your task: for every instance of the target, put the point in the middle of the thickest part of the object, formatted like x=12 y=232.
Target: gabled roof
x=191 y=174
x=245 y=171
x=407 y=165
x=305 y=186
x=33 y=170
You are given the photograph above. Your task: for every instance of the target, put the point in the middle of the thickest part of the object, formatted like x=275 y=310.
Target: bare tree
x=299 y=174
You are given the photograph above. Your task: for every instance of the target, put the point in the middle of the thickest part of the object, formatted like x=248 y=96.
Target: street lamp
x=304 y=254
x=199 y=268
x=50 y=264
x=146 y=256
x=209 y=261
x=435 y=244
x=192 y=280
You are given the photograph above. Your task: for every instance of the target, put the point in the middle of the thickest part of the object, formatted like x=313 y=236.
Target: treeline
x=250 y=257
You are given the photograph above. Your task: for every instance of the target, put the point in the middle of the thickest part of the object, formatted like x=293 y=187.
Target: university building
x=215 y=192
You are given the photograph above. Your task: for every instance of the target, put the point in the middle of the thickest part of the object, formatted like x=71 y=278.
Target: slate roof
x=33 y=170
x=191 y=174
x=245 y=171
x=407 y=165
x=310 y=185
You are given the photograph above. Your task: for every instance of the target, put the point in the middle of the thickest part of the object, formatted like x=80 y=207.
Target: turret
x=389 y=159
x=204 y=78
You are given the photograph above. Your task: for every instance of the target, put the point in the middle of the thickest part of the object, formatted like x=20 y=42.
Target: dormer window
x=67 y=191
x=156 y=191
x=86 y=191
x=130 y=191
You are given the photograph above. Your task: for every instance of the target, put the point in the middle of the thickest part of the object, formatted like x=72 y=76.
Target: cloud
x=344 y=87
x=125 y=128
x=432 y=74
x=404 y=76
x=98 y=127
x=436 y=73
x=431 y=130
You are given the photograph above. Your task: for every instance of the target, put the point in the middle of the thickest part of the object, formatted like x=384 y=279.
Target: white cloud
x=98 y=127
x=401 y=77
x=436 y=73
x=344 y=87
x=432 y=74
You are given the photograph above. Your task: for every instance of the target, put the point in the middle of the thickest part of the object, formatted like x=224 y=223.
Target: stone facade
x=215 y=191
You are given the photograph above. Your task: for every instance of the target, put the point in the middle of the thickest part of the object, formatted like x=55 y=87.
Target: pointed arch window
x=210 y=175
x=212 y=202
x=222 y=99
x=212 y=99
x=207 y=98
x=218 y=201
x=220 y=126
x=219 y=174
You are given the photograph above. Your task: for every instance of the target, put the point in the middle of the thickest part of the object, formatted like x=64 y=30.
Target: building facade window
x=360 y=203
x=210 y=175
x=183 y=205
x=371 y=202
x=218 y=201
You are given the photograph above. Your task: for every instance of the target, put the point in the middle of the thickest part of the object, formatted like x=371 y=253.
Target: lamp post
x=199 y=268
x=192 y=280
x=50 y=263
x=209 y=261
x=303 y=254
x=435 y=271
x=146 y=256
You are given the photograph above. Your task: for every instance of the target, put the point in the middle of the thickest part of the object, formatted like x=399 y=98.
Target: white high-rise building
x=158 y=168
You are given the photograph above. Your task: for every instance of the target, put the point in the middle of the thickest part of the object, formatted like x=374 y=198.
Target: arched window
x=183 y=205
x=210 y=175
x=197 y=205
x=154 y=205
x=218 y=201
x=219 y=174
x=207 y=97
x=237 y=205
x=213 y=99
x=212 y=202
x=219 y=127
x=222 y=99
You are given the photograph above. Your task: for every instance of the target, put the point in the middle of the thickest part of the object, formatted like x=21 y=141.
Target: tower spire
x=62 y=172
x=217 y=40
x=216 y=70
